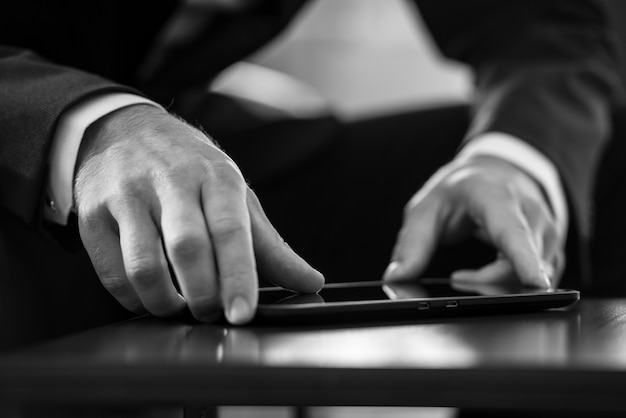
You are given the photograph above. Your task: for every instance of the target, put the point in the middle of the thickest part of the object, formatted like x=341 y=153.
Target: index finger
x=228 y=221
x=276 y=261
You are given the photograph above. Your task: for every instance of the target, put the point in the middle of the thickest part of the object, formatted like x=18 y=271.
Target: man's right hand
x=156 y=197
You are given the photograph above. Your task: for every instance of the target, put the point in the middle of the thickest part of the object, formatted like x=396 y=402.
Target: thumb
x=276 y=261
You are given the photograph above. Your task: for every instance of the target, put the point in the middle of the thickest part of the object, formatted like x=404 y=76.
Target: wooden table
x=574 y=358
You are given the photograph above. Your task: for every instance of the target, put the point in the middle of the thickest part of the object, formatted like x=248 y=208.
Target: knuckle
x=237 y=278
x=110 y=206
x=88 y=220
x=186 y=248
x=227 y=174
x=91 y=217
x=227 y=228
x=91 y=231
x=168 y=178
x=115 y=285
x=144 y=271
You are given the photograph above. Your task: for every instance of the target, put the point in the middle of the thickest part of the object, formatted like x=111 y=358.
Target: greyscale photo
x=312 y=208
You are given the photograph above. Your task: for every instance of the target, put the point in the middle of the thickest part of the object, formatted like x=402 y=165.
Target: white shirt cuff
x=529 y=159
x=66 y=143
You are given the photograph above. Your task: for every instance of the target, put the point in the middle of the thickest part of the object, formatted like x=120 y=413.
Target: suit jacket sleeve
x=544 y=71
x=78 y=35
x=33 y=93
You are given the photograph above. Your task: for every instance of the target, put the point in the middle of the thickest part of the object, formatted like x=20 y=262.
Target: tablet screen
x=372 y=291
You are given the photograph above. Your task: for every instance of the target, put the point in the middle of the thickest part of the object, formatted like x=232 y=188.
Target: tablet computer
x=425 y=298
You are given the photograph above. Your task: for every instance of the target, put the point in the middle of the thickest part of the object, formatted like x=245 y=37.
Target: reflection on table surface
x=574 y=357
x=591 y=334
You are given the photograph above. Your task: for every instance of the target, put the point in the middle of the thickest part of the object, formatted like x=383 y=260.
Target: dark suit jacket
x=545 y=72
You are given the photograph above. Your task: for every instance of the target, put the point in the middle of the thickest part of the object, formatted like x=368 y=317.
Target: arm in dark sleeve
x=33 y=94
x=545 y=73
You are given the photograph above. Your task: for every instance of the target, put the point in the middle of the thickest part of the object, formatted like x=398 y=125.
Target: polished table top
x=574 y=357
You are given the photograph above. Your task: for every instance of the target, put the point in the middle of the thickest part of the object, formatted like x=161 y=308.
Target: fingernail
x=545 y=274
x=240 y=311
x=392 y=271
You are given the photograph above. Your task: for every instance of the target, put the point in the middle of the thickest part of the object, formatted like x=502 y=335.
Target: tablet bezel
x=412 y=308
